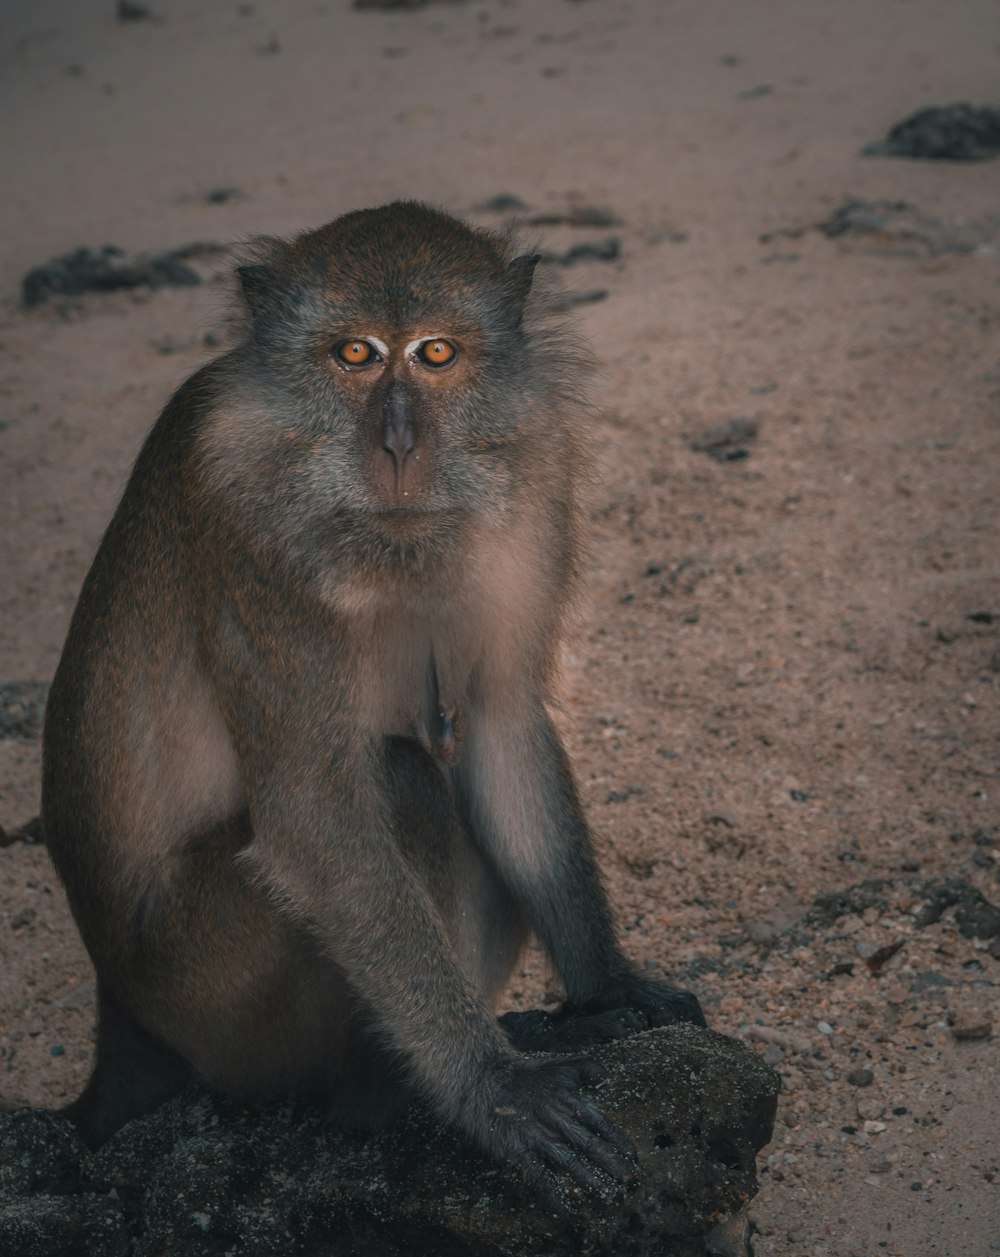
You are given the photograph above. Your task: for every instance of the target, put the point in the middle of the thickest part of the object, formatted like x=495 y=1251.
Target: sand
x=785 y=677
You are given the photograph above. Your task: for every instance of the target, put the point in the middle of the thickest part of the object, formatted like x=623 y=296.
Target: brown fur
x=299 y=777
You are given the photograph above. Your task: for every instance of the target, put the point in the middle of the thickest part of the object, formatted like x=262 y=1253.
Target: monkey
x=301 y=779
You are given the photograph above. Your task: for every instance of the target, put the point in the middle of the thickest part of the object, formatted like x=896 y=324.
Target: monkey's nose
x=400 y=439
x=399 y=433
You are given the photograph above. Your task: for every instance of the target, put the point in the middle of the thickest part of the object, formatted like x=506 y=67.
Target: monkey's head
x=398 y=346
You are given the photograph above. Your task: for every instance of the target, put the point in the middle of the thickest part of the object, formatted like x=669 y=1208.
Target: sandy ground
x=785 y=681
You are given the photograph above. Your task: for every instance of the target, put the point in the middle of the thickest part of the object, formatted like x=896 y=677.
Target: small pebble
x=57 y=1049
x=861 y=1077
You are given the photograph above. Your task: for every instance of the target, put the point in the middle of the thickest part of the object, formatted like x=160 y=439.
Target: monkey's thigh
x=234 y=986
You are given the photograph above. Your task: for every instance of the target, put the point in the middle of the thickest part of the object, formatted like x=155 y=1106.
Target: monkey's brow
x=414 y=345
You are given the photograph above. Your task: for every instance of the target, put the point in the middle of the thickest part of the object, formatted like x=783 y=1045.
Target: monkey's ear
x=519 y=276
x=255 y=280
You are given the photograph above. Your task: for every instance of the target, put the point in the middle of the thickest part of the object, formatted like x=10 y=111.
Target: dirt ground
x=784 y=681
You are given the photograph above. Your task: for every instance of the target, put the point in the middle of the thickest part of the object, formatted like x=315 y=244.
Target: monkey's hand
x=658 y=1002
x=531 y=1113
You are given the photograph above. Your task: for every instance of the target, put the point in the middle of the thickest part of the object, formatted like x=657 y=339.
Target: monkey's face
x=397 y=339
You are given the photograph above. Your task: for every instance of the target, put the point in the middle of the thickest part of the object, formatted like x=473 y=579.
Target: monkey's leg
x=133 y=1074
x=542 y=849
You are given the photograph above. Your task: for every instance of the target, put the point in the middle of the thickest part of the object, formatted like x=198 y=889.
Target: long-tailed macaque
x=300 y=779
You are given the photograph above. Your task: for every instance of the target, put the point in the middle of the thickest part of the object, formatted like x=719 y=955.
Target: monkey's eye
x=436 y=353
x=356 y=353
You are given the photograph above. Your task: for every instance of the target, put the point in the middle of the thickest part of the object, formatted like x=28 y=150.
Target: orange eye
x=436 y=353
x=356 y=353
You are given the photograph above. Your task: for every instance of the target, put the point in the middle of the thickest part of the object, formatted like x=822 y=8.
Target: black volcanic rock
x=203 y=1176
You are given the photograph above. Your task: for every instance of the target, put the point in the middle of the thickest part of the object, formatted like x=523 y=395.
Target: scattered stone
x=567 y=300
x=959 y=132
x=755 y=93
x=726 y=441
x=400 y=4
x=976 y=916
x=203 y=1176
x=503 y=203
x=900 y=228
x=26 y=916
x=861 y=1077
x=971 y=1029
x=109 y=269
x=879 y=958
x=30 y=833
x=850 y=902
x=222 y=196
x=608 y=250
x=929 y=980
x=22 y=709
x=579 y=216
x=131 y=11
x=668 y=237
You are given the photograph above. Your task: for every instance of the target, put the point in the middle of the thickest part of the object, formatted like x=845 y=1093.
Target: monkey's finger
x=539 y=1178
x=588 y=1115
x=566 y=1160
x=600 y=1142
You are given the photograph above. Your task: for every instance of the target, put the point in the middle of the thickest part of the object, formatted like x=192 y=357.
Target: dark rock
x=755 y=93
x=223 y=195
x=109 y=269
x=579 y=216
x=958 y=132
x=861 y=1077
x=29 y=833
x=567 y=300
x=131 y=11
x=22 y=708
x=882 y=955
x=850 y=902
x=204 y=1176
x=976 y=916
x=928 y=980
x=726 y=441
x=400 y=4
x=606 y=251
x=898 y=227
x=503 y=203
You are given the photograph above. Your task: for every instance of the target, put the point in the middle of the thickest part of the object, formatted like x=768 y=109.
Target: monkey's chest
x=419 y=684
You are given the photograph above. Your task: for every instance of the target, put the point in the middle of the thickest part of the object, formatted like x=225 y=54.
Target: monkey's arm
x=522 y=800
x=323 y=845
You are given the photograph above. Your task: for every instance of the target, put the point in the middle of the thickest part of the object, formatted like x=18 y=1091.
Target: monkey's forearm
x=383 y=931
x=520 y=796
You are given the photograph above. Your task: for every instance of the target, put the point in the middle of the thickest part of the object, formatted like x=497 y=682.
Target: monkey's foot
x=659 y=1003
x=569 y=1031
